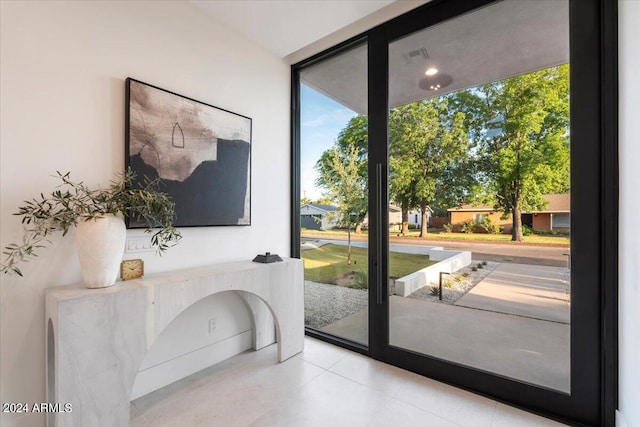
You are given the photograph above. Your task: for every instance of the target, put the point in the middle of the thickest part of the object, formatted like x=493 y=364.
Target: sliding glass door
x=465 y=178
x=478 y=163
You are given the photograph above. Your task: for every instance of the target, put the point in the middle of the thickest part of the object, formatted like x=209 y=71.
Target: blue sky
x=321 y=120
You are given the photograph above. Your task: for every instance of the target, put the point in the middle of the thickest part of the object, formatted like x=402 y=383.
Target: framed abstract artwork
x=202 y=154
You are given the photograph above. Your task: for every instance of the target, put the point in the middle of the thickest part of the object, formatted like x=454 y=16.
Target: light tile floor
x=323 y=386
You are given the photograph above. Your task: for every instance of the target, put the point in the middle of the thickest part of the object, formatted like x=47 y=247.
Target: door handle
x=379 y=226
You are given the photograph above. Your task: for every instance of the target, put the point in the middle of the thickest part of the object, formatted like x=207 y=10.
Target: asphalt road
x=520 y=253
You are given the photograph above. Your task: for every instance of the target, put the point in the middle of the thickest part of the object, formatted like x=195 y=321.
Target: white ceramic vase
x=100 y=243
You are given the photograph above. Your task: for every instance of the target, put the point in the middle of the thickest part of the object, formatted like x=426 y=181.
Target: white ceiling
x=285 y=26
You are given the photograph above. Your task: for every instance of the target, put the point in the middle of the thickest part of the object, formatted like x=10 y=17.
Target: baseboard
x=158 y=376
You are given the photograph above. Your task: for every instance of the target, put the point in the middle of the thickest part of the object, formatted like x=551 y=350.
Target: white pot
x=100 y=243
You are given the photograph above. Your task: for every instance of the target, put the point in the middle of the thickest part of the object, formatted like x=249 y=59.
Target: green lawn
x=329 y=262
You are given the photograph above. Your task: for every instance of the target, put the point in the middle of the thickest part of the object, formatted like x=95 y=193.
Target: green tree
x=342 y=172
x=522 y=137
x=347 y=159
x=323 y=201
x=428 y=146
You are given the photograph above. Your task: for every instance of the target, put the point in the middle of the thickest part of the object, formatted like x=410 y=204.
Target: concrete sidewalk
x=515 y=323
x=537 y=292
x=529 y=350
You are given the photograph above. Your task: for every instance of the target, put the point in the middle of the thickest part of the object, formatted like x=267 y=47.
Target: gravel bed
x=324 y=304
x=455 y=285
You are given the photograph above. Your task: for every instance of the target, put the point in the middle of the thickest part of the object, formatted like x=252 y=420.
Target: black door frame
x=594 y=172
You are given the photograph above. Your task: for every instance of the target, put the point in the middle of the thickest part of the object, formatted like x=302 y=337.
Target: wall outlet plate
x=138 y=244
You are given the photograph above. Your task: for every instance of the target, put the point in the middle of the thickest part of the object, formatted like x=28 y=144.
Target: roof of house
x=556 y=203
x=325 y=208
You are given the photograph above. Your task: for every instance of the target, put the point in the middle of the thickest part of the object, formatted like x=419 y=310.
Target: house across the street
x=414 y=217
x=315 y=216
x=395 y=217
x=556 y=215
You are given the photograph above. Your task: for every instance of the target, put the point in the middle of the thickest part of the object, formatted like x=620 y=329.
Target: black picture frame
x=201 y=152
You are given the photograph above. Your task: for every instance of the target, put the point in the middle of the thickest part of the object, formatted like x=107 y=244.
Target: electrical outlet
x=212 y=325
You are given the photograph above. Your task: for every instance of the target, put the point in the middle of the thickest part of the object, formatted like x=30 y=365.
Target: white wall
x=629 y=297
x=63 y=66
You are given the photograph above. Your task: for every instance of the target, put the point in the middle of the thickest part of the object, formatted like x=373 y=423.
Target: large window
x=561 y=220
x=478 y=218
x=334 y=194
x=467 y=125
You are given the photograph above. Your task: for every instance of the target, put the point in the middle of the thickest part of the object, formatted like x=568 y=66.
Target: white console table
x=97 y=338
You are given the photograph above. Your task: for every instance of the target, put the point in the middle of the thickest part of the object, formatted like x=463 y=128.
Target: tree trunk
x=405 y=221
x=358 y=228
x=349 y=244
x=423 y=225
x=516 y=230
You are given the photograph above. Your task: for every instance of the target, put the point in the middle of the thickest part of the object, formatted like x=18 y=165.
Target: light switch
x=138 y=244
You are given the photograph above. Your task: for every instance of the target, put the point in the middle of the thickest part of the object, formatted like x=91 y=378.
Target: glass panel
x=479 y=153
x=334 y=199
